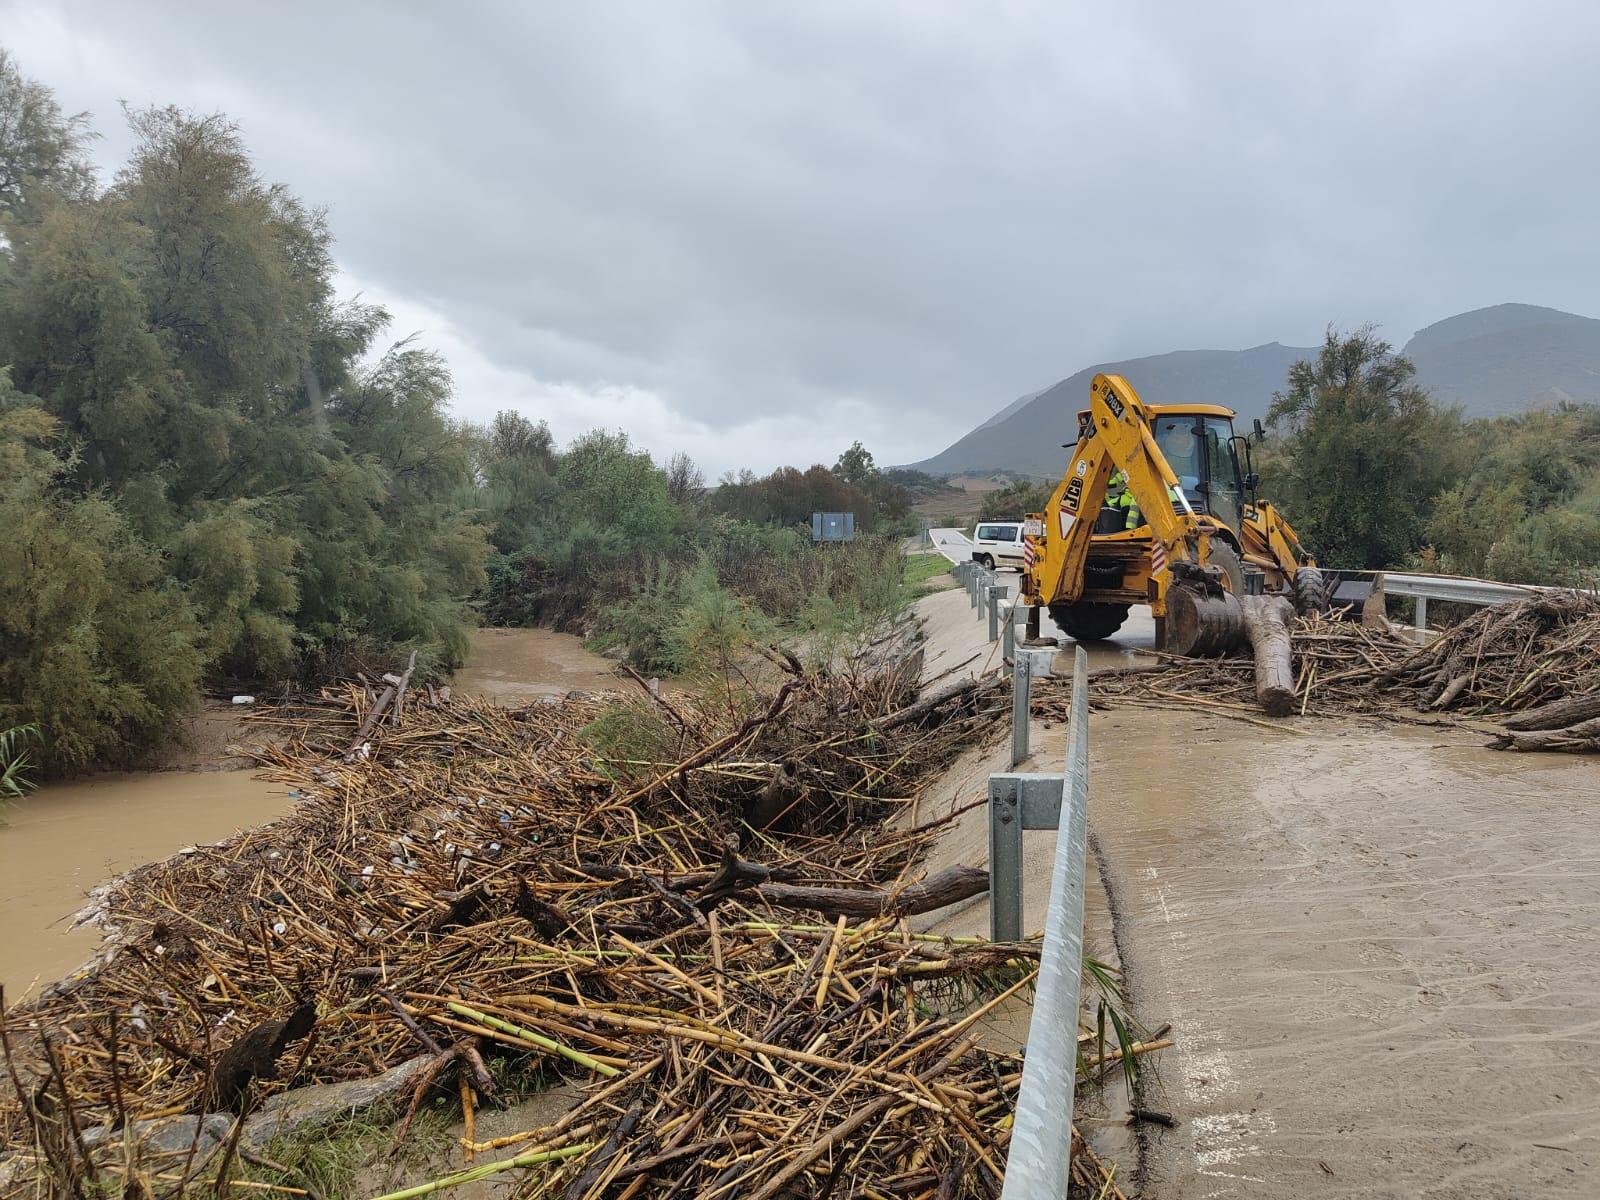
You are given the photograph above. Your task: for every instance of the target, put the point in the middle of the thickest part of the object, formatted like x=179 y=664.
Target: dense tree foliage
x=1015 y=500
x=596 y=538
x=41 y=149
x=1364 y=452
x=211 y=474
x=99 y=646
x=1526 y=508
x=788 y=496
x=1374 y=474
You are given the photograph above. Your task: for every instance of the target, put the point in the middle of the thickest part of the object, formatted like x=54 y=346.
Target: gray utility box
x=833 y=527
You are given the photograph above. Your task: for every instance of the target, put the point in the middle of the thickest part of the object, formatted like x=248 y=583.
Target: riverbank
x=58 y=843
x=474 y=847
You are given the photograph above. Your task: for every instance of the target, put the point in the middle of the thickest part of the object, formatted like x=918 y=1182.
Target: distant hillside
x=1028 y=438
x=1489 y=361
x=1509 y=357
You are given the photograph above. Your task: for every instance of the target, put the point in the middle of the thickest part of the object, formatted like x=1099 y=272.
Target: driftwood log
x=1203 y=619
x=740 y=876
x=1557 y=715
x=254 y=1055
x=394 y=694
x=1266 y=622
x=949 y=886
x=1575 y=739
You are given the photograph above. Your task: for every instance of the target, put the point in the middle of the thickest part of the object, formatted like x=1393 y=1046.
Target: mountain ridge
x=1488 y=361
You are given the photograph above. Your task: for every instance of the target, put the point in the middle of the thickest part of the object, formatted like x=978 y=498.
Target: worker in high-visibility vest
x=1132 y=517
x=1122 y=497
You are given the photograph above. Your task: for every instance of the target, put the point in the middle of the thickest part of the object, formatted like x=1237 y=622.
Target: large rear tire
x=1084 y=622
x=1310 y=592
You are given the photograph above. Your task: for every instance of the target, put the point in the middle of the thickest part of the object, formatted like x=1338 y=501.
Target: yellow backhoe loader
x=1199 y=537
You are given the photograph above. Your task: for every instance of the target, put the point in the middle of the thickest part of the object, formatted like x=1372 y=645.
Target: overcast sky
x=756 y=231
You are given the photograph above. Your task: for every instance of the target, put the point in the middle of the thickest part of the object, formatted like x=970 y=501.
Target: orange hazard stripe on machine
x=1030 y=552
x=1158 y=555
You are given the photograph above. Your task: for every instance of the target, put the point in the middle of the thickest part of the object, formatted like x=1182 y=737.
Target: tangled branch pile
x=1532 y=666
x=473 y=881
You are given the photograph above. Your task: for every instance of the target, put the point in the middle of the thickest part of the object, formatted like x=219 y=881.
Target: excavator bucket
x=1354 y=595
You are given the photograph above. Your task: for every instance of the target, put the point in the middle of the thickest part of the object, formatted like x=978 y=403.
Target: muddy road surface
x=1379 y=947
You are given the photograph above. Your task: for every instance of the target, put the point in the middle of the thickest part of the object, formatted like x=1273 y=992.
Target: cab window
x=1225 y=491
x=1179 y=446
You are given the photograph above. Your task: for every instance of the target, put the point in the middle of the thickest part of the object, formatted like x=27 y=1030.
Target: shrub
x=103 y=652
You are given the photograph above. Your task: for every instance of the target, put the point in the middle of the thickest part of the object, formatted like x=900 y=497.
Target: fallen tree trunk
x=1556 y=715
x=1575 y=739
x=1202 y=623
x=1451 y=690
x=921 y=708
x=738 y=876
x=1266 y=621
x=391 y=695
x=949 y=886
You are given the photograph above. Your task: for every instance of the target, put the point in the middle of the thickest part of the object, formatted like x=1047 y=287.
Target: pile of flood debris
x=692 y=904
x=1531 y=668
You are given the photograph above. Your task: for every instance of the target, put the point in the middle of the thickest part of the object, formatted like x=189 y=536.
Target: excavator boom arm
x=1119 y=434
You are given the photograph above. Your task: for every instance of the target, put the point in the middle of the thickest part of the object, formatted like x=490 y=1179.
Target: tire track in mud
x=1111 y=886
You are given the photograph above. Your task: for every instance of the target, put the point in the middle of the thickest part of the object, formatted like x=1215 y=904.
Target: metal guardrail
x=1456 y=589
x=1038 y=1163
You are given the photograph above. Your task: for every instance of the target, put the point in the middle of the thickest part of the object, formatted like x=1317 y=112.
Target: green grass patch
x=337 y=1160
x=927 y=573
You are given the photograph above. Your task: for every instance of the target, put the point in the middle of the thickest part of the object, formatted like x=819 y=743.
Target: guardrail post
x=997 y=593
x=1008 y=642
x=1021 y=697
x=1421 y=620
x=1005 y=860
x=1039 y=1161
x=972 y=586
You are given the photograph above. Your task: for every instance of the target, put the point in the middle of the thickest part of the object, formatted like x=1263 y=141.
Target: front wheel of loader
x=1084 y=622
x=1310 y=592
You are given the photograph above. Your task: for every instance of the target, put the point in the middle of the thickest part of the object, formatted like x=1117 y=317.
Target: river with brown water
x=57 y=843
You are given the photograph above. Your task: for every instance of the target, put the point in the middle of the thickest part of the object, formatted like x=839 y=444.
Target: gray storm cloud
x=766 y=229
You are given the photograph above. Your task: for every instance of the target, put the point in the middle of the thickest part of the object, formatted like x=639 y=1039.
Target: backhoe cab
x=1199 y=534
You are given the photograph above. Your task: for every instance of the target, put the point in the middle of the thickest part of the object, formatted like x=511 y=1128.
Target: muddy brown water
x=61 y=841
x=1379 y=947
x=514 y=666
x=57 y=843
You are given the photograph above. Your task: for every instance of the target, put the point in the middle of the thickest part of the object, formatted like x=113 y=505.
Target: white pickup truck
x=998 y=544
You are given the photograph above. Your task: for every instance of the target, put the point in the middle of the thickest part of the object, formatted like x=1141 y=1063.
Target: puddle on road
x=1379 y=948
x=514 y=666
x=57 y=843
